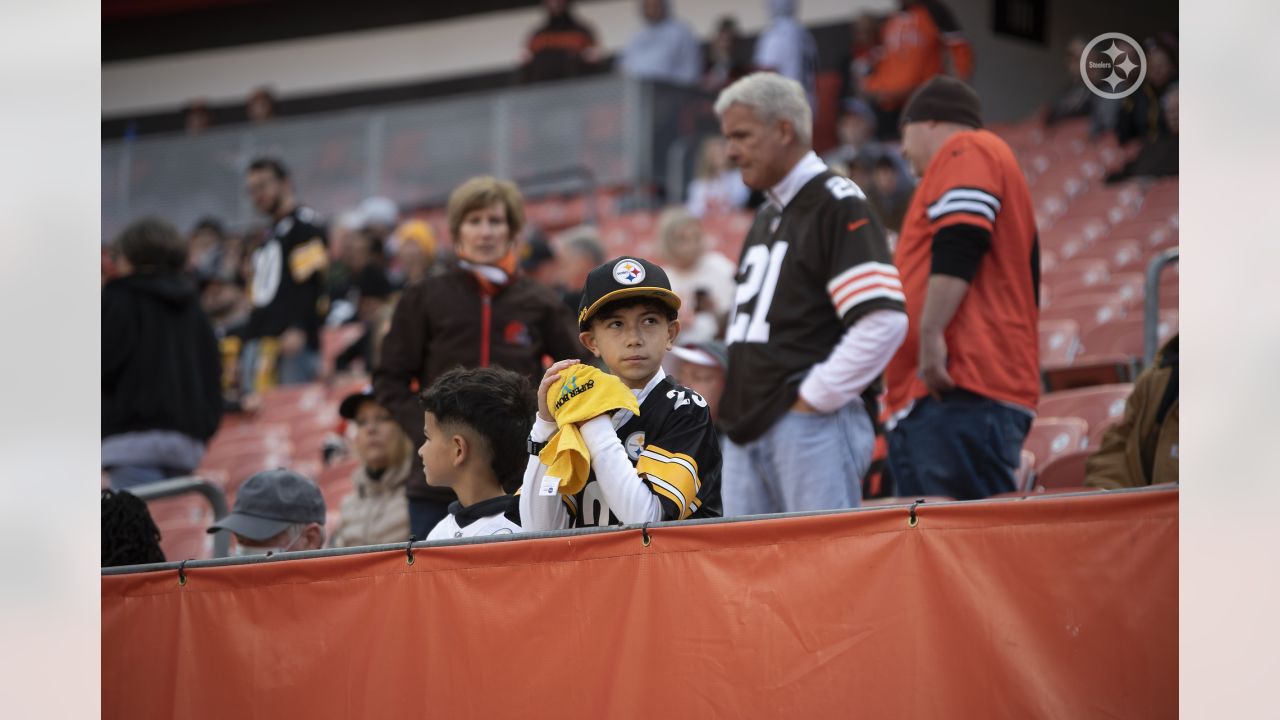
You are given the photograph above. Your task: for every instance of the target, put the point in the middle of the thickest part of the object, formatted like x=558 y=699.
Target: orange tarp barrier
x=1054 y=607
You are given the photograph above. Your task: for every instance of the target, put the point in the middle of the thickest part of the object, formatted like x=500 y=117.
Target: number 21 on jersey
x=760 y=268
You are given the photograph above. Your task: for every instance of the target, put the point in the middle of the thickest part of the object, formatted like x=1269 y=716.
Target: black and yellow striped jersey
x=676 y=451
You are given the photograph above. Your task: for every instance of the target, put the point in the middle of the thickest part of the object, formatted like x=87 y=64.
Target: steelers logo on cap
x=628 y=272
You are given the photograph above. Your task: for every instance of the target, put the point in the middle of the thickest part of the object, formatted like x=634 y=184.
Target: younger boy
x=663 y=464
x=475 y=425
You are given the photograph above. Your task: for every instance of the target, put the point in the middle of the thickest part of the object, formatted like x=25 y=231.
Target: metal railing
x=182 y=486
x=1151 y=309
x=643 y=528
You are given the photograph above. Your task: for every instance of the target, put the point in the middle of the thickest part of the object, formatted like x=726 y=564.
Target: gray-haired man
x=817 y=314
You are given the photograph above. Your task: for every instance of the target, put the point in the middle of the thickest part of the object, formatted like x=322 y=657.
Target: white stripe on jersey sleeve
x=969 y=206
x=885 y=270
x=968 y=194
x=684 y=503
x=869 y=294
x=863 y=282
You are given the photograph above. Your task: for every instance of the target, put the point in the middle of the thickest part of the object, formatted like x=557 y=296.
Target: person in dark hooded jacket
x=161 y=373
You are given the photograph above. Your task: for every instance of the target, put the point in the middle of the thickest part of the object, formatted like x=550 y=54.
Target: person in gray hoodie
x=665 y=49
x=161 y=369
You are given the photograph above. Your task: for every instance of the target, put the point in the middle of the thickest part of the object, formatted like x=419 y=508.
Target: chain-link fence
x=612 y=129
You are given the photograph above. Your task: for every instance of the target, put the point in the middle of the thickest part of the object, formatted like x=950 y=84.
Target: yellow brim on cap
x=666 y=296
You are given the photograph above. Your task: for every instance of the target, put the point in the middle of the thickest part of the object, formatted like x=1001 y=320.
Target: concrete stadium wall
x=411 y=53
x=1013 y=76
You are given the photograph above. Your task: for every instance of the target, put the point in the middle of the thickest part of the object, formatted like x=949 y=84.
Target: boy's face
x=632 y=341
x=438 y=453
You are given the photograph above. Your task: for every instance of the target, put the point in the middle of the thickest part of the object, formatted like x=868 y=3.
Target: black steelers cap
x=624 y=277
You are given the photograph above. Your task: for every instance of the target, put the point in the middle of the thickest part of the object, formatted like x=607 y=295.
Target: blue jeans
x=806 y=461
x=424 y=515
x=966 y=447
x=301 y=368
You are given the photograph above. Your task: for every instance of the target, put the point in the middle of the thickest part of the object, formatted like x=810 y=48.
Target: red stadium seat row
x=1068 y=429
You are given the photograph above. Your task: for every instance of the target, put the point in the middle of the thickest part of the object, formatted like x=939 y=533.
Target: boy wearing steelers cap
x=594 y=459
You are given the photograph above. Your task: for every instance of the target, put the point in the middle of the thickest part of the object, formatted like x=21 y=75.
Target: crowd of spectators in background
x=228 y=313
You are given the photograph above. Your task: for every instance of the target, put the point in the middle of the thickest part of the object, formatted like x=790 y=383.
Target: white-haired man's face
x=760 y=149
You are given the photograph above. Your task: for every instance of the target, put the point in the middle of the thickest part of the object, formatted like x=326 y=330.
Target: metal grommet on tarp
x=408 y=550
x=644 y=535
x=182 y=572
x=912 y=520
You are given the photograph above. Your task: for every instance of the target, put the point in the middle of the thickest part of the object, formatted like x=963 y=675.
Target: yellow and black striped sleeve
x=673 y=477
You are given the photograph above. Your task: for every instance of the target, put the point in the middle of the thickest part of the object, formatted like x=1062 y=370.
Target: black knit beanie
x=944 y=99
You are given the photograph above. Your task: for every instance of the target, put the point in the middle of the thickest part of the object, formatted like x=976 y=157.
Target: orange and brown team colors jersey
x=912 y=52
x=993 y=340
x=569 y=41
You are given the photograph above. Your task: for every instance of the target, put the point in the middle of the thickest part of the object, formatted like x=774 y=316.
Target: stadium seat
x=240 y=466
x=310 y=447
x=1058 y=342
x=1162 y=192
x=1051 y=206
x=1065 y=179
x=322 y=411
x=344 y=386
x=1129 y=287
x=1052 y=436
x=1064 y=471
x=333 y=341
x=180 y=509
x=1088 y=310
x=188 y=540
x=725 y=232
x=246 y=428
x=1082 y=230
x=1148 y=233
x=1048 y=260
x=556 y=214
x=1025 y=475
x=1100 y=406
x=632 y=233
x=1114 y=204
x=1124 y=337
x=300 y=395
x=1089 y=271
x=1120 y=255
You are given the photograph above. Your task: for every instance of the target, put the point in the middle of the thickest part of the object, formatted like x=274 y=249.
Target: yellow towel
x=583 y=392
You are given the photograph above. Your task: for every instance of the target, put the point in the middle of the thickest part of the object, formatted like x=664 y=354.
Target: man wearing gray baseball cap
x=276 y=511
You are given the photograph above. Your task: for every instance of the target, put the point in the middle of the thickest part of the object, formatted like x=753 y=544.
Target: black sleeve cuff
x=958 y=250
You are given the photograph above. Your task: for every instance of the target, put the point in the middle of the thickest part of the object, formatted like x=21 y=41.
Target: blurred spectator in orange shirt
x=917 y=40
